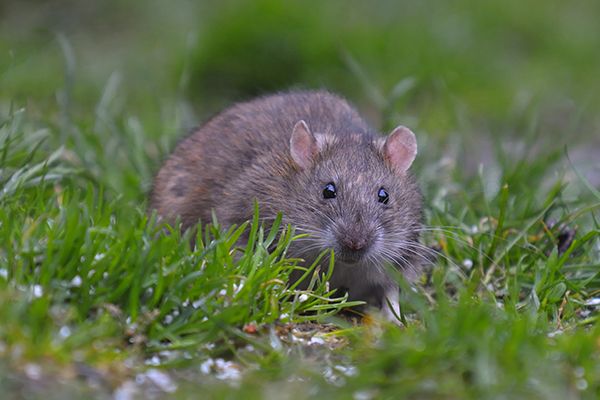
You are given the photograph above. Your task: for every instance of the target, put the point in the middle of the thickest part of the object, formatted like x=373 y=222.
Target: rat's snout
x=353 y=243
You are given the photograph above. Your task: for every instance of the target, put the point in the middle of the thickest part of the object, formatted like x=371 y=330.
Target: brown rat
x=309 y=155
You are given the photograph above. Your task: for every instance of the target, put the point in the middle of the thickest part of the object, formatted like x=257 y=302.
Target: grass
x=96 y=301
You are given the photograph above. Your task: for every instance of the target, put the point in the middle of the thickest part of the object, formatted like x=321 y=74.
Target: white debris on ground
x=303 y=297
x=127 y=391
x=64 y=332
x=316 y=340
x=33 y=371
x=154 y=360
x=76 y=281
x=555 y=333
x=37 y=291
x=284 y=317
x=337 y=374
x=308 y=336
x=304 y=335
x=365 y=395
x=223 y=370
x=162 y=380
x=593 y=301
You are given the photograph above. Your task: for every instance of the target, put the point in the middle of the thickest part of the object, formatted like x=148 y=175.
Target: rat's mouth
x=350 y=257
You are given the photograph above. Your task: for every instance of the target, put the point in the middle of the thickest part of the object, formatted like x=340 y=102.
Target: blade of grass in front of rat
x=396 y=314
x=253 y=230
x=331 y=304
x=273 y=230
x=329 y=273
x=283 y=243
x=234 y=236
x=308 y=271
x=292 y=292
x=259 y=254
x=318 y=310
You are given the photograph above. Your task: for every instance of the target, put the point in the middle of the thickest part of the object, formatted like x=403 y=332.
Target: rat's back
x=249 y=138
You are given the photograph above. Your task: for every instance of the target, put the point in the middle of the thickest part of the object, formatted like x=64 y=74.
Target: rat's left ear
x=400 y=149
x=303 y=145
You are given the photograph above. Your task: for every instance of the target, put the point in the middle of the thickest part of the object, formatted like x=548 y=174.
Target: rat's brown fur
x=243 y=154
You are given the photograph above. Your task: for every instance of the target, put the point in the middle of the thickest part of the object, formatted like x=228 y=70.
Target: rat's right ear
x=303 y=145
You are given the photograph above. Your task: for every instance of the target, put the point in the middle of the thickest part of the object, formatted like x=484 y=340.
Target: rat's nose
x=353 y=247
x=354 y=243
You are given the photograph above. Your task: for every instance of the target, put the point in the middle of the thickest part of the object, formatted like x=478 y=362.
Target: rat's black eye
x=329 y=191
x=383 y=196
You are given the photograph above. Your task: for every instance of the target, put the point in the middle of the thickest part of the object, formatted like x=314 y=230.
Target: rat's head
x=354 y=195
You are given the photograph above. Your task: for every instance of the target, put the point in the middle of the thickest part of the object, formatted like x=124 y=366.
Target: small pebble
x=316 y=340
x=155 y=360
x=38 y=291
x=127 y=391
x=33 y=371
x=76 y=281
x=64 y=332
x=206 y=366
x=581 y=384
x=593 y=302
x=162 y=380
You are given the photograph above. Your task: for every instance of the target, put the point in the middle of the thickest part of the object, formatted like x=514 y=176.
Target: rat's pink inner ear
x=400 y=149
x=303 y=145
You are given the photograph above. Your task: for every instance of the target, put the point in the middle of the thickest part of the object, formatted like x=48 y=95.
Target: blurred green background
x=495 y=91
x=447 y=69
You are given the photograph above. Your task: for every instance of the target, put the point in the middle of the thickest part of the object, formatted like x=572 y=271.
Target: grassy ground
x=94 y=301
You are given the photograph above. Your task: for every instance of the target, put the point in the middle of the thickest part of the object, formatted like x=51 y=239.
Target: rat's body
x=312 y=157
